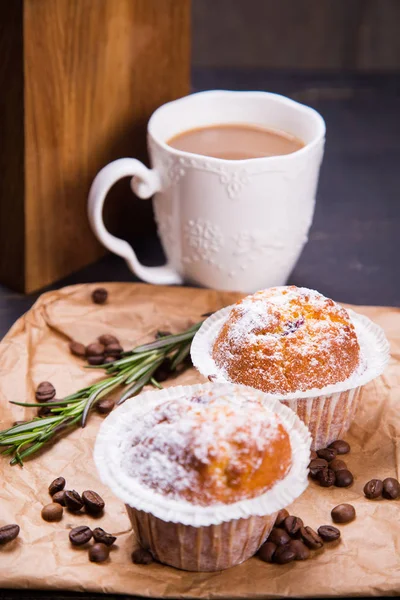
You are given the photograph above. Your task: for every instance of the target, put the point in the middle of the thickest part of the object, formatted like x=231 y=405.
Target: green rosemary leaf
x=140 y=383
x=180 y=356
x=29 y=425
x=168 y=340
x=156 y=383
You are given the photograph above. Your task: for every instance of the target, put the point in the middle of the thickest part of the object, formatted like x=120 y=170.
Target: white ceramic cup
x=225 y=224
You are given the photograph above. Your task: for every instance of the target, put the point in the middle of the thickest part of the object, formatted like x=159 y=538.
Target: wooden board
x=91 y=72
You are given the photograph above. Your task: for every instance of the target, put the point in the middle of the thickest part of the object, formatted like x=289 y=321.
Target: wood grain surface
x=94 y=71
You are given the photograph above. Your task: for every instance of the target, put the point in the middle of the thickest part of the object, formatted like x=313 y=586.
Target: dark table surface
x=353 y=250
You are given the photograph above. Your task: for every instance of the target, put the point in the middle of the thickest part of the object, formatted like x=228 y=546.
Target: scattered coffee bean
x=280 y=517
x=267 y=551
x=340 y=446
x=95 y=349
x=77 y=349
x=103 y=537
x=279 y=536
x=313 y=455
x=96 y=360
x=317 y=465
x=284 y=555
x=78 y=536
x=73 y=501
x=327 y=454
x=108 y=360
x=311 y=538
x=8 y=533
x=43 y=411
x=373 y=489
x=141 y=557
x=337 y=465
x=105 y=405
x=57 y=485
x=343 y=513
x=162 y=373
x=99 y=296
x=108 y=339
x=293 y=525
x=45 y=391
x=300 y=549
x=328 y=533
x=59 y=497
x=344 y=478
x=52 y=512
x=113 y=350
x=98 y=553
x=326 y=478
x=94 y=503
x=161 y=334
x=391 y=488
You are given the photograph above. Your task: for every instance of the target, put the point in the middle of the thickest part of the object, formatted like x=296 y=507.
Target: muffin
x=300 y=347
x=203 y=470
x=287 y=339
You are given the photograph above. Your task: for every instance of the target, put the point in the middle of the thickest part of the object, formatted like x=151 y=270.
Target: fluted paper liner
x=328 y=412
x=199 y=537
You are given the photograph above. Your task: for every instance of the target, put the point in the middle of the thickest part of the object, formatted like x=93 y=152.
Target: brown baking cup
x=186 y=535
x=328 y=412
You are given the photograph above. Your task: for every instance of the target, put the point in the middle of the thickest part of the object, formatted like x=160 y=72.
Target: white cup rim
x=301 y=108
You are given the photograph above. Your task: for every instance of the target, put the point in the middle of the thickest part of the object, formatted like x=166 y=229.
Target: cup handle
x=145 y=183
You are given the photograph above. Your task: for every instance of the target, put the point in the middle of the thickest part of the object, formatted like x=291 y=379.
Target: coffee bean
x=73 y=501
x=284 y=555
x=344 y=478
x=328 y=533
x=59 y=497
x=77 y=349
x=99 y=296
x=95 y=349
x=108 y=360
x=105 y=405
x=78 y=536
x=311 y=538
x=94 y=503
x=313 y=455
x=343 y=513
x=98 y=553
x=281 y=516
x=57 y=485
x=279 y=536
x=161 y=334
x=300 y=549
x=52 y=512
x=267 y=551
x=141 y=557
x=96 y=360
x=317 y=465
x=373 y=489
x=293 y=525
x=45 y=391
x=106 y=339
x=337 y=465
x=113 y=350
x=326 y=478
x=327 y=454
x=103 y=537
x=340 y=446
x=8 y=533
x=391 y=488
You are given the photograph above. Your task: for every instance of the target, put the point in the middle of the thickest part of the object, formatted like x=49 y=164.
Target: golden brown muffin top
x=287 y=339
x=208 y=450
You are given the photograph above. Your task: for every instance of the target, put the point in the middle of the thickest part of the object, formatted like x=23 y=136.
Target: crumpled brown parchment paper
x=366 y=562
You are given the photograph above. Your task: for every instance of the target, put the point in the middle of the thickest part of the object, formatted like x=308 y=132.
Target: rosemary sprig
x=137 y=368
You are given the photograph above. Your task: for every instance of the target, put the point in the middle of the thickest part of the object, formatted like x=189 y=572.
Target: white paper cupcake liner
x=328 y=412
x=108 y=457
x=209 y=548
